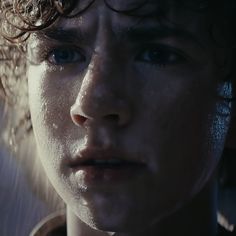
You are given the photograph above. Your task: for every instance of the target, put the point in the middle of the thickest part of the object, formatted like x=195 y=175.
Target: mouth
x=107 y=163
x=100 y=158
x=99 y=166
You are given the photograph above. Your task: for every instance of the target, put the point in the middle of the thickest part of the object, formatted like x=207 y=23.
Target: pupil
x=62 y=55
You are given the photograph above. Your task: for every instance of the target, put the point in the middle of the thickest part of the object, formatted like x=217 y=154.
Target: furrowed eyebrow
x=63 y=35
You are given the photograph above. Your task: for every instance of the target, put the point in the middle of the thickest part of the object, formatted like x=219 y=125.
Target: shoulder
x=52 y=225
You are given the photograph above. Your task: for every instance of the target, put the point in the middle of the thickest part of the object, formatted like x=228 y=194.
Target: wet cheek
x=49 y=116
x=178 y=122
x=219 y=122
x=37 y=104
x=50 y=100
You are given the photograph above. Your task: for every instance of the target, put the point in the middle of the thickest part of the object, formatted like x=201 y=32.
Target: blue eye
x=161 y=56
x=63 y=56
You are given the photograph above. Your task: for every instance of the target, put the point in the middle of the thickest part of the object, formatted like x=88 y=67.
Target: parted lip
x=93 y=156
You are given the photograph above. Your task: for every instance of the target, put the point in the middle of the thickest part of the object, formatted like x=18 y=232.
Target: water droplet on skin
x=225 y=89
x=44 y=104
x=84 y=202
x=54 y=126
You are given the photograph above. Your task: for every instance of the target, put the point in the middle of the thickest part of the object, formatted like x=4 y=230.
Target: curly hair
x=22 y=17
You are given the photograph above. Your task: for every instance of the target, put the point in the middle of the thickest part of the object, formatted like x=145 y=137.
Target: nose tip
x=77 y=116
x=119 y=116
x=101 y=97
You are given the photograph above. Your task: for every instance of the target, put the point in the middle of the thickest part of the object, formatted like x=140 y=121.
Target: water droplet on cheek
x=225 y=89
x=54 y=126
x=84 y=202
x=218 y=130
x=44 y=105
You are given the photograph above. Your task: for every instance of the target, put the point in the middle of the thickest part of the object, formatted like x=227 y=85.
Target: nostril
x=78 y=119
x=112 y=118
x=119 y=118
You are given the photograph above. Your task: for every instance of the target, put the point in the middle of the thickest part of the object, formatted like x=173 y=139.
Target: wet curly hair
x=22 y=17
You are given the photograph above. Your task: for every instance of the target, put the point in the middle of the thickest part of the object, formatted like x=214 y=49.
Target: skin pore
x=108 y=84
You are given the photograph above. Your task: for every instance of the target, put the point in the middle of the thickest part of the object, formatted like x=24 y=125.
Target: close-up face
x=128 y=112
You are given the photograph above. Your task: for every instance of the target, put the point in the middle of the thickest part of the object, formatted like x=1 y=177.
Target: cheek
x=50 y=112
x=50 y=101
x=181 y=123
x=40 y=108
x=36 y=101
x=50 y=97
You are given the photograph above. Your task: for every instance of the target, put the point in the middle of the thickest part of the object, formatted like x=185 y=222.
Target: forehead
x=139 y=8
x=122 y=15
x=134 y=6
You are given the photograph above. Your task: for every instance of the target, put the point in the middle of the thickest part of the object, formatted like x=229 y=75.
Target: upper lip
x=96 y=156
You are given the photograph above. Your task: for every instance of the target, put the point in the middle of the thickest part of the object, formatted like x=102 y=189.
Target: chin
x=121 y=219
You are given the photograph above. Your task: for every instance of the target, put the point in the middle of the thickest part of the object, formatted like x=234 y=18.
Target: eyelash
x=71 y=55
x=154 y=54
x=160 y=55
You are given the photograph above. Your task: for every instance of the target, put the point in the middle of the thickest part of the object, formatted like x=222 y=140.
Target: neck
x=196 y=218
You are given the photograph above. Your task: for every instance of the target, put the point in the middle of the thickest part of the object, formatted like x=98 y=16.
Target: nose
x=100 y=97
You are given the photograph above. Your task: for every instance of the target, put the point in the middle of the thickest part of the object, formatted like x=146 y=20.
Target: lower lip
x=94 y=175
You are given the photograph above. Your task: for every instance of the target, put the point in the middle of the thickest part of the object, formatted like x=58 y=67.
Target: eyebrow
x=63 y=35
x=158 y=32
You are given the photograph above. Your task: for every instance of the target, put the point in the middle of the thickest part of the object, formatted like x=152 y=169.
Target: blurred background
x=20 y=208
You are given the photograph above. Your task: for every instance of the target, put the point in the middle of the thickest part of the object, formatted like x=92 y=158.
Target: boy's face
x=110 y=86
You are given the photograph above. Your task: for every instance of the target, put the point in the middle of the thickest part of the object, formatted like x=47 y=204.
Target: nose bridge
x=101 y=78
x=100 y=96
x=99 y=83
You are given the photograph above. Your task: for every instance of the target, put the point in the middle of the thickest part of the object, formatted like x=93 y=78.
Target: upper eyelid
x=44 y=47
x=163 y=47
x=171 y=49
x=66 y=47
x=68 y=62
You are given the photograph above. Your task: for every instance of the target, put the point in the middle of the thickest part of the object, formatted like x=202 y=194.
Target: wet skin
x=124 y=88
